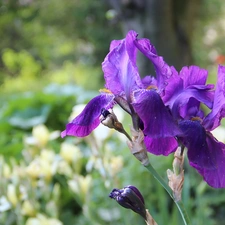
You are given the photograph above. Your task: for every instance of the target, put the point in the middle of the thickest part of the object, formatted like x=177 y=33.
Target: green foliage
x=21 y=63
x=52 y=32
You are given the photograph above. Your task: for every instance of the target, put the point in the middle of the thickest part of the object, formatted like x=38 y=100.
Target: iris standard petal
x=172 y=90
x=193 y=75
x=213 y=119
x=88 y=119
x=183 y=88
x=161 y=146
x=163 y=70
x=215 y=177
x=156 y=117
x=199 y=152
x=114 y=44
x=201 y=93
x=119 y=67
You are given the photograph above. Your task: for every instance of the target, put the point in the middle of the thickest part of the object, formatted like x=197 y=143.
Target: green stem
x=179 y=204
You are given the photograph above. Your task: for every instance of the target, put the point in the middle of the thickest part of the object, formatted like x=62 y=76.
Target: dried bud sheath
x=137 y=146
x=176 y=177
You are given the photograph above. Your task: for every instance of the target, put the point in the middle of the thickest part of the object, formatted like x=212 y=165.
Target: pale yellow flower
x=28 y=209
x=40 y=168
x=81 y=186
x=65 y=169
x=6 y=170
x=116 y=164
x=43 y=220
x=41 y=134
x=70 y=153
x=34 y=169
x=47 y=155
x=12 y=195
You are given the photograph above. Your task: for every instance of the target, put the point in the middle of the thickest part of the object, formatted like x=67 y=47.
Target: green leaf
x=30 y=117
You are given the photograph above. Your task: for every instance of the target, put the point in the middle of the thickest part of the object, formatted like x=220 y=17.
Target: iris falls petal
x=215 y=177
x=161 y=146
x=88 y=119
x=156 y=117
x=199 y=152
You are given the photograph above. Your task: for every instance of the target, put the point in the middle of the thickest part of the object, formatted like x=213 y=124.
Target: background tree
x=168 y=24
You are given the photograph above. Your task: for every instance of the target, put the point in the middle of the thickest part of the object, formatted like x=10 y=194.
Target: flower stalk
x=179 y=204
x=138 y=149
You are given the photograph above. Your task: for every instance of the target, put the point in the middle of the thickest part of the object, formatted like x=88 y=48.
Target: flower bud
x=110 y=120
x=130 y=197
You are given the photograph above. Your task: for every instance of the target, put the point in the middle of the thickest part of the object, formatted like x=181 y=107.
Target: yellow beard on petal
x=196 y=118
x=150 y=87
x=104 y=90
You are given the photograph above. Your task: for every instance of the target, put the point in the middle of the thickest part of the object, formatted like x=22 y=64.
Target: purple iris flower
x=141 y=98
x=121 y=79
x=205 y=153
x=159 y=126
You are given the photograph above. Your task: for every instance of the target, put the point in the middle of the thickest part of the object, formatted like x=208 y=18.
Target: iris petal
x=161 y=146
x=213 y=119
x=114 y=44
x=120 y=69
x=193 y=75
x=156 y=117
x=199 y=152
x=199 y=93
x=88 y=119
x=214 y=177
x=163 y=70
x=189 y=85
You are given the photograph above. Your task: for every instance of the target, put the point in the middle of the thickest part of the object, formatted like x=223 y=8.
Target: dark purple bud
x=130 y=197
x=105 y=112
x=137 y=192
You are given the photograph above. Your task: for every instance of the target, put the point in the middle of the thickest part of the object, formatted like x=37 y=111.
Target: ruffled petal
x=120 y=69
x=173 y=89
x=199 y=152
x=182 y=89
x=193 y=75
x=201 y=94
x=156 y=117
x=215 y=177
x=161 y=146
x=213 y=119
x=88 y=119
x=114 y=44
x=163 y=71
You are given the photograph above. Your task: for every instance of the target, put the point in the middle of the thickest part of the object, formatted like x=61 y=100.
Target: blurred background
x=50 y=61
